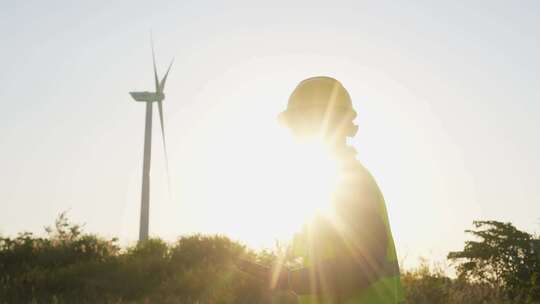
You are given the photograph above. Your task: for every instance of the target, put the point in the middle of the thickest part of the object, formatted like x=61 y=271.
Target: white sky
x=447 y=95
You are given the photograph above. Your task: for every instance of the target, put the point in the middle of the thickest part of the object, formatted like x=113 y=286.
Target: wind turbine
x=150 y=97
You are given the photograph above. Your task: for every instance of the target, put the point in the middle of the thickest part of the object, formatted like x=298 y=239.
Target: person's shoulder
x=357 y=181
x=357 y=172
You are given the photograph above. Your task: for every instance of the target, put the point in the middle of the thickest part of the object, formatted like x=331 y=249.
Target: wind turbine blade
x=160 y=110
x=162 y=83
x=154 y=61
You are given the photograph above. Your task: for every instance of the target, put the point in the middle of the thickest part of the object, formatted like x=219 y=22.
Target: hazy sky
x=447 y=95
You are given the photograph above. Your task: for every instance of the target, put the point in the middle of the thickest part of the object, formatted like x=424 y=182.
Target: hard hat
x=319 y=98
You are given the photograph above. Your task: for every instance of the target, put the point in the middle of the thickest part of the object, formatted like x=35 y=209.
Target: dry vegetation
x=501 y=265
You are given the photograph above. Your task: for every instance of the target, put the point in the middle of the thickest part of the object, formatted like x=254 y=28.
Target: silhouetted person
x=349 y=255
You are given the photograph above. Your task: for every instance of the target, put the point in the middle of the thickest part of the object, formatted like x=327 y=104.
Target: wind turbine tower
x=150 y=98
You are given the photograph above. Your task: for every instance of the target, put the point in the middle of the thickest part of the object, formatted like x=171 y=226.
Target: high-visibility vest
x=385 y=287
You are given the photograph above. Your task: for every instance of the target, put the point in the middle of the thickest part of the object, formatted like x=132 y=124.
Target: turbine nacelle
x=158 y=94
x=147 y=96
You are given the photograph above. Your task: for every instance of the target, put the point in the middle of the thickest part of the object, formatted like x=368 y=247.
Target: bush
x=504 y=258
x=70 y=266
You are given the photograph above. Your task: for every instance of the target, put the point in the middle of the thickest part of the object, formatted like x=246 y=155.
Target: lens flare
x=316 y=175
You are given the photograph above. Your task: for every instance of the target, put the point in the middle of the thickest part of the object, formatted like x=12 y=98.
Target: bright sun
x=306 y=181
x=260 y=186
x=313 y=174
